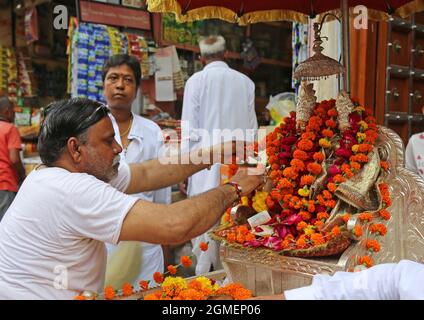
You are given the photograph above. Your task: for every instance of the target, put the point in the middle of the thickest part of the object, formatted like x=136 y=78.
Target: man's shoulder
x=6 y=127
x=418 y=137
x=147 y=124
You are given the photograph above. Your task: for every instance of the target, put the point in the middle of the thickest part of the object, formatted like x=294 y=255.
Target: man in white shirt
x=141 y=139
x=219 y=102
x=414 y=153
x=52 y=236
x=391 y=281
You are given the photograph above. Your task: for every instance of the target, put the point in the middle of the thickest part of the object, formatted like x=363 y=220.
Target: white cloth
x=146 y=144
x=414 y=154
x=215 y=99
x=52 y=237
x=390 y=281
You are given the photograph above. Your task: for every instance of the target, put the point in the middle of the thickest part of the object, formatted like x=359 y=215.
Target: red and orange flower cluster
x=296 y=161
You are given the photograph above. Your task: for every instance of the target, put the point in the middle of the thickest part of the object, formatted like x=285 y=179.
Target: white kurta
x=414 y=154
x=215 y=99
x=401 y=281
x=147 y=140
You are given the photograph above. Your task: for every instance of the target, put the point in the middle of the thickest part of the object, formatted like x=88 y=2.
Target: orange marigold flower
x=330 y=203
x=319 y=224
x=387 y=201
x=305 y=144
x=240 y=238
x=307 y=180
x=318 y=157
x=327 y=133
x=378 y=228
x=346 y=217
x=314 y=168
x=144 y=285
x=385 y=214
x=322 y=215
x=301 y=155
x=301 y=225
x=186 y=261
x=311 y=206
x=366 y=261
x=338 y=178
x=250 y=237
x=109 y=293
x=305 y=215
x=158 y=277
x=297 y=164
x=332 y=112
x=317 y=239
x=332 y=187
x=243 y=229
x=301 y=242
x=335 y=231
x=330 y=123
x=127 y=289
x=345 y=167
x=308 y=135
x=327 y=195
x=373 y=245
x=384 y=165
x=364 y=148
x=320 y=199
x=204 y=246
x=365 y=216
x=357 y=231
x=355 y=165
x=171 y=269
x=290 y=173
x=79 y=297
x=231 y=237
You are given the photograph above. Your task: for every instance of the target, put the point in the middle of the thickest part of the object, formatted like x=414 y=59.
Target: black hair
x=65 y=119
x=123 y=59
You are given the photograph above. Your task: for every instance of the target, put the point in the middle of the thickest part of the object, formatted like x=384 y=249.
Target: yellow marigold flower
x=303 y=192
x=361 y=135
x=309 y=230
x=363 y=125
x=259 y=201
x=244 y=201
x=359 y=109
x=324 y=143
x=177 y=282
x=355 y=148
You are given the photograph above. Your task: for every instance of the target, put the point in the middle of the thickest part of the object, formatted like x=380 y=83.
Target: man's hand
x=225 y=152
x=249 y=179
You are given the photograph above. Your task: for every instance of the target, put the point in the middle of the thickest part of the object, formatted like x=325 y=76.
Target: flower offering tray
x=265 y=271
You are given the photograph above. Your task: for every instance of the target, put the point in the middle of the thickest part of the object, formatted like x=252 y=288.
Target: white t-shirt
x=52 y=237
x=414 y=154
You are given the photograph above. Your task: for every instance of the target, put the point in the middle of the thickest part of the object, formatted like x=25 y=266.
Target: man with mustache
x=52 y=237
x=141 y=139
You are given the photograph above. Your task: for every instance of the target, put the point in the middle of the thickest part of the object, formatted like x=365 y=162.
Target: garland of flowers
x=296 y=163
x=177 y=288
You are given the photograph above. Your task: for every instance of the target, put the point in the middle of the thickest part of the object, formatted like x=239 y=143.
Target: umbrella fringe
x=214 y=12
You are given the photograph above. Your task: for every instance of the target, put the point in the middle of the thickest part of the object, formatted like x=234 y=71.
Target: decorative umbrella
x=252 y=11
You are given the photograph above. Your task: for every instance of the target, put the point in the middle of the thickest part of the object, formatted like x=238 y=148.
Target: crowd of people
x=99 y=207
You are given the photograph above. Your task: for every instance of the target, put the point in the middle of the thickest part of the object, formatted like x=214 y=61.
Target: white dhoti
x=198 y=183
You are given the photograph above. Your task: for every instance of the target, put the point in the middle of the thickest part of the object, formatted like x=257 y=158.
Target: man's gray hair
x=212 y=46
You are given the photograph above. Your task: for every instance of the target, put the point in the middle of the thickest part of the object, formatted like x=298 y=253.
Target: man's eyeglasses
x=87 y=122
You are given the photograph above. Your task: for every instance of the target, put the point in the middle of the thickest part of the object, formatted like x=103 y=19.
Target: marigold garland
x=296 y=161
